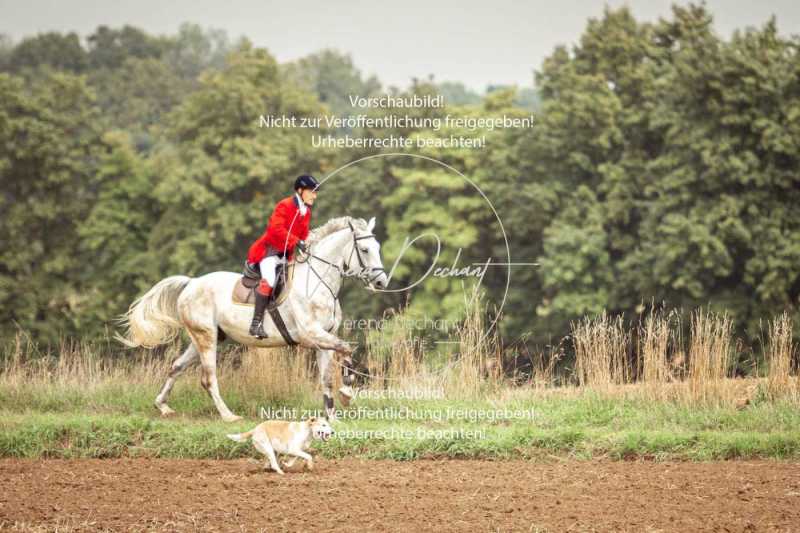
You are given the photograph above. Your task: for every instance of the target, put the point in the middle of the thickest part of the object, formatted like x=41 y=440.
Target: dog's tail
x=240 y=437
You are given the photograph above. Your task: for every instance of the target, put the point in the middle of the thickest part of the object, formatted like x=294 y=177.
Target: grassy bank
x=578 y=427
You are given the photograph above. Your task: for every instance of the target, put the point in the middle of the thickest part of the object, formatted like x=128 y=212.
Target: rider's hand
x=302 y=246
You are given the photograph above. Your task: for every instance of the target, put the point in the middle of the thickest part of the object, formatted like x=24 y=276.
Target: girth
x=273 y=311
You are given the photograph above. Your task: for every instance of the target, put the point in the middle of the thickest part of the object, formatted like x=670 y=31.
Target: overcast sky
x=478 y=43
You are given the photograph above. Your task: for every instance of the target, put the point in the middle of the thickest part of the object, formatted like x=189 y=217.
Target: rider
x=287 y=229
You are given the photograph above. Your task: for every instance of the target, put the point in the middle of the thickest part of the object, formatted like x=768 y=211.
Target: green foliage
x=194 y=50
x=220 y=173
x=54 y=50
x=137 y=95
x=723 y=227
x=525 y=97
x=576 y=265
x=50 y=141
x=6 y=48
x=675 y=150
x=109 y=48
x=139 y=79
x=116 y=231
x=456 y=93
x=333 y=77
x=662 y=167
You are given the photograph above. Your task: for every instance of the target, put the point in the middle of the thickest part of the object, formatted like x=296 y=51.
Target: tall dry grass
x=480 y=354
x=393 y=354
x=660 y=359
x=601 y=351
x=779 y=352
x=543 y=367
x=697 y=370
x=710 y=357
x=466 y=364
x=84 y=374
x=274 y=375
x=394 y=357
x=77 y=364
x=651 y=360
x=655 y=340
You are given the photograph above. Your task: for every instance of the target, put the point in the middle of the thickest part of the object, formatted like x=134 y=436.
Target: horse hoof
x=231 y=418
x=346 y=395
x=165 y=410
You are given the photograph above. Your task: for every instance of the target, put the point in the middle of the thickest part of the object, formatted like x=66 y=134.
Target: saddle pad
x=243 y=295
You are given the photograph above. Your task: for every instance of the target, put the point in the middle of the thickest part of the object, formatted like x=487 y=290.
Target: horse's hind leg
x=206 y=341
x=180 y=364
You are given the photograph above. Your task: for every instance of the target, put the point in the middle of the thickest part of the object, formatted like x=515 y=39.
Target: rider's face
x=308 y=196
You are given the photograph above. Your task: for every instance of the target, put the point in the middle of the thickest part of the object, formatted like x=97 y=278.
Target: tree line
x=662 y=170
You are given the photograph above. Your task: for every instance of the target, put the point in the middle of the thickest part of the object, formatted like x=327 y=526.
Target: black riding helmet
x=306 y=182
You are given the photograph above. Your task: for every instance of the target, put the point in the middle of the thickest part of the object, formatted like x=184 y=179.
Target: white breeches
x=267 y=266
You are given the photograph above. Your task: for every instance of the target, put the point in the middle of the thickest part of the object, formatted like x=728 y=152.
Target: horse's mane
x=334 y=225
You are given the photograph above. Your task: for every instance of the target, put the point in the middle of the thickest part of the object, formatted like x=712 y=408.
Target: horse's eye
x=364 y=250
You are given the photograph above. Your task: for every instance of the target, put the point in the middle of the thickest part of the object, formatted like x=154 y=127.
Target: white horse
x=343 y=247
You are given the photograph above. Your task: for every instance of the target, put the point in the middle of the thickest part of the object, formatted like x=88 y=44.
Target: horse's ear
x=371 y=224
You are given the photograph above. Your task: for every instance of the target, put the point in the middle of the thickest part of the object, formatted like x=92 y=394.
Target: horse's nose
x=380 y=284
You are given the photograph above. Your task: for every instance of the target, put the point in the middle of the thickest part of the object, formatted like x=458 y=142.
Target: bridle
x=367 y=274
x=364 y=273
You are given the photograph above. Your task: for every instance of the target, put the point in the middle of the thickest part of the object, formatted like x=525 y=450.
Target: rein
x=363 y=275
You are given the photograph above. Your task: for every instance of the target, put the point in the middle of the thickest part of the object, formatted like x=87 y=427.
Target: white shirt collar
x=302 y=205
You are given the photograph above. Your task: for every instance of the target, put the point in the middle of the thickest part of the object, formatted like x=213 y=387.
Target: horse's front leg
x=313 y=335
x=324 y=360
x=320 y=339
x=316 y=337
x=348 y=379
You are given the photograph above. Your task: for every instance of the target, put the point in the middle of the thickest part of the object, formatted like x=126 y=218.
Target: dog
x=290 y=438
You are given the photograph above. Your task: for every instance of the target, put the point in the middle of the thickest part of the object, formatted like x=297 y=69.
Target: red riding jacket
x=286 y=226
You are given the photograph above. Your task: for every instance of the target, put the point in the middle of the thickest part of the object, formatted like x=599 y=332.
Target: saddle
x=245 y=289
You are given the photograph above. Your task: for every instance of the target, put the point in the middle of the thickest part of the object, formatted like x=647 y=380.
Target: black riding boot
x=257 y=325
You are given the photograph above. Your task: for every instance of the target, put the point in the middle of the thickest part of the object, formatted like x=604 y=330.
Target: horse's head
x=364 y=261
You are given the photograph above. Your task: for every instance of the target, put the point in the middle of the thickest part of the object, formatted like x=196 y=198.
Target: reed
x=601 y=348
x=779 y=352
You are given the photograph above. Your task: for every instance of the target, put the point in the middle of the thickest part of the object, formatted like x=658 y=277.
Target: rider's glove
x=302 y=246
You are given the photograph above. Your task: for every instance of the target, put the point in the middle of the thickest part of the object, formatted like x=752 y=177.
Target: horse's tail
x=153 y=319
